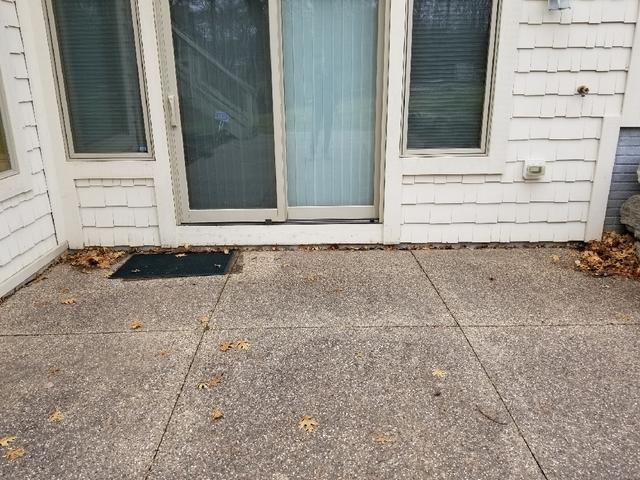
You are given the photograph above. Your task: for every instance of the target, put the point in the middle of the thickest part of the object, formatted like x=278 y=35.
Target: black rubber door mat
x=168 y=265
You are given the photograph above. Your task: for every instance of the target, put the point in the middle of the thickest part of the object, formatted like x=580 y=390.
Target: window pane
x=223 y=67
x=5 y=164
x=98 y=55
x=449 y=56
x=330 y=61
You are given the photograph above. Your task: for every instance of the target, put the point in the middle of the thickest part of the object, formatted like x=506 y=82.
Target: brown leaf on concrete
x=624 y=317
x=384 y=439
x=555 y=258
x=15 y=453
x=307 y=423
x=439 y=373
x=217 y=380
x=56 y=416
x=615 y=254
x=216 y=414
x=69 y=301
x=99 y=257
x=237 y=345
x=136 y=325
x=5 y=441
x=204 y=321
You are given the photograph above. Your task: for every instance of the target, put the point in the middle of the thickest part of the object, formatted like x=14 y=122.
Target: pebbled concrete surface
x=350 y=338
x=330 y=288
x=107 y=305
x=574 y=392
x=359 y=384
x=116 y=393
x=527 y=287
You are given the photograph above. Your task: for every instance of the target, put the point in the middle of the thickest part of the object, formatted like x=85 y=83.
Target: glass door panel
x=330 y=61
x=223 y=70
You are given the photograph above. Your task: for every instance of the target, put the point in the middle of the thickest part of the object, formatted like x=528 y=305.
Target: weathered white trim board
x=287 y=234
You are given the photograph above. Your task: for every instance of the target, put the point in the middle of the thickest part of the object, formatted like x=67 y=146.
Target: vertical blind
x=330 y=60
x=97 y=47
x=223 y=69
x=449 y=61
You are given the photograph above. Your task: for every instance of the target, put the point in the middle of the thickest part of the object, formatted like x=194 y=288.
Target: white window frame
x=491 y=157
x=17 y=179
x=64 y=104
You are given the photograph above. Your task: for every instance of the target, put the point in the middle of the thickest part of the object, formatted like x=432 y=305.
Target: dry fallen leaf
x=216 y=414
x=308 y=424
x=100 y=257
x=56 y=416
x=136 y=325
x=14 y=453
x=69 y=301
x=555 y=258
x=217 y=380
x=238 y=345
x=624 y=317
x=5 y=441
x=204 y=321
x=226 y=251
x=53 y=371
x=615 y=254
x=384 y=439
x=438 y=373
x=164 y=353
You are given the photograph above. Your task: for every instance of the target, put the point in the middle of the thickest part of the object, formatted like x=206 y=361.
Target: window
x=5 y=163
x=96 y=48
x=449 y=81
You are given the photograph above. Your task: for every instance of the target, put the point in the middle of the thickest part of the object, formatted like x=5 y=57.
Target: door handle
x=173 y=110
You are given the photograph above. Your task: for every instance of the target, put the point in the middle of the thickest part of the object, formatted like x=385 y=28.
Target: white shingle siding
x=26 y=226
x=590 y=44
x=118 y=212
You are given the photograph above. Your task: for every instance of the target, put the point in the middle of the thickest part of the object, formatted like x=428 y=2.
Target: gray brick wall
x=625 y=177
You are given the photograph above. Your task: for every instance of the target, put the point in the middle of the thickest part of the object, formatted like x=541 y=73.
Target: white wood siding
x=118 y=212
x=27 y=232
x=556 y=52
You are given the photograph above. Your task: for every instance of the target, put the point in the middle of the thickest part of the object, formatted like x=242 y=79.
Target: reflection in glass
x=5 y=164
x=224 y=83
x=449 y=56
x=330 y=60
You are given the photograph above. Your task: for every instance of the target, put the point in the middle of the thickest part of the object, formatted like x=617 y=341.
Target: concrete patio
x=448 y=364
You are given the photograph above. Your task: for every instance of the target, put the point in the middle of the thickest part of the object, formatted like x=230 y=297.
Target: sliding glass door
x=330 y=64
x=272 y=106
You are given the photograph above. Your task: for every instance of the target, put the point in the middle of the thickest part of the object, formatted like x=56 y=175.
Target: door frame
x=282 y=213
x=174 y=130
